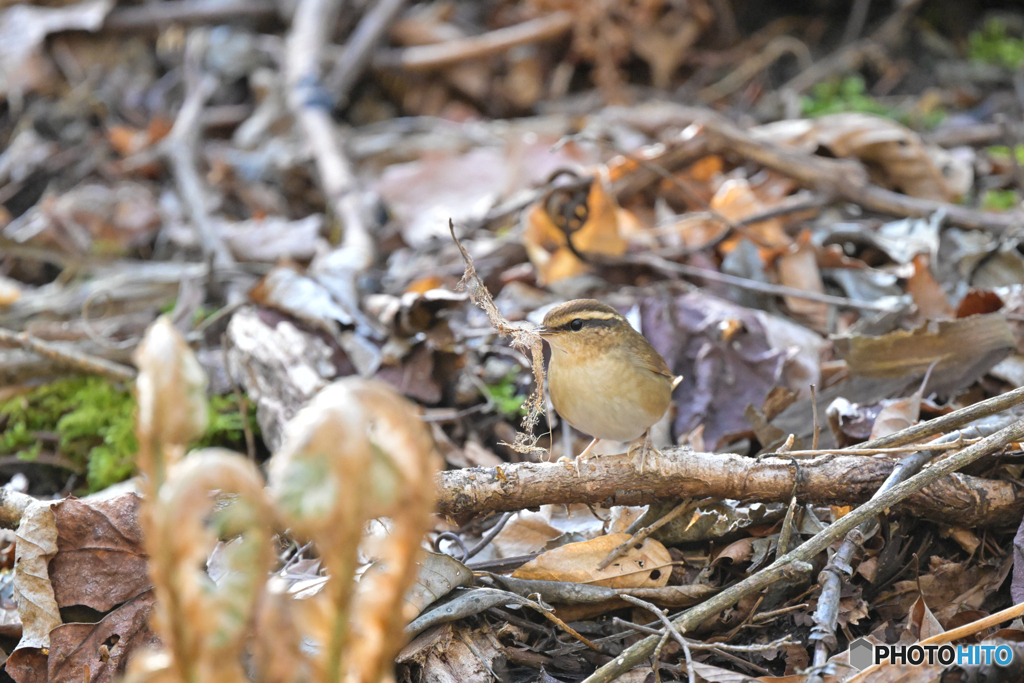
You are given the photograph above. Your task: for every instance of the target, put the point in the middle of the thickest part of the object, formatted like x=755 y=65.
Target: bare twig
x=670 y=628
x=358 y=49
x=851 y=56
x=751 y=67
x=616 y=480
x=179 y=147
x=522 y=338
x=664 y=265
x=691 y=618
x=642 y=534
x=155 y=15
x=855 y=24
x=75 y=360
x=426 y=57
x=310 y=108
x=814 y=415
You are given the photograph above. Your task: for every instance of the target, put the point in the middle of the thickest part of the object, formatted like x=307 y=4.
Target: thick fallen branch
x=616 y=480
x=905 y=491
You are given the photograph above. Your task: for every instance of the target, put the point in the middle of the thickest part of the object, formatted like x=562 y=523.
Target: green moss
x=991 y=45
x=1000 y=200
x=835 y=95
x=849 y=94
x=92 y=423
x=507 y=401
x=1004 y=152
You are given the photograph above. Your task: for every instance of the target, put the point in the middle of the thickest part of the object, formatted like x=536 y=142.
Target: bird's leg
x=585 y=454
x=645 y=447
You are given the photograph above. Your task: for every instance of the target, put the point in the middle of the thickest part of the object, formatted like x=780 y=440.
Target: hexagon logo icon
x=861 y=654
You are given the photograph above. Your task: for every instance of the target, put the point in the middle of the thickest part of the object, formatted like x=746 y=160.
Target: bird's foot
x=644 y=447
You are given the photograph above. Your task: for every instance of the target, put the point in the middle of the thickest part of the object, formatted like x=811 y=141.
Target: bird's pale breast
x=595 y=398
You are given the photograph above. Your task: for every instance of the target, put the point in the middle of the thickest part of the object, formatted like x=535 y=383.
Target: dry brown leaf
x=37 y=545
x=798 y=268
x=897 y=156
x=931 y=301
x=921 y=623
x=737 y=551
x=438 y=575
x=100 y=560
x=897 y=415
x=962 y=349
x=736 y=200
x=103 y=648
x=647 y=566
x=599 y=234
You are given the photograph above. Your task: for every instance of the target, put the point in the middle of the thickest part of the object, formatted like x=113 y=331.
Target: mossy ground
x=93 y=422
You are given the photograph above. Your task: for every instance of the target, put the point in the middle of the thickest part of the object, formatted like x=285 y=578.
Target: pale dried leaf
x=646 y=566
x=37 y=545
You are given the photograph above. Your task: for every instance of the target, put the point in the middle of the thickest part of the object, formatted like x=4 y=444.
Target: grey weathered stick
x=180 y=150
x=359 y=47
x=947 y=423
x=68 y=358
x=690 y=619
x=425 y=57
x=827 y=612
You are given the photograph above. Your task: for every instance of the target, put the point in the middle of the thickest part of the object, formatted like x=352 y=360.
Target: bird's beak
x=543 y=330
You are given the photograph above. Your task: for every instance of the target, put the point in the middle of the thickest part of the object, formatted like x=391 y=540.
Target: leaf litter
x=804 y=244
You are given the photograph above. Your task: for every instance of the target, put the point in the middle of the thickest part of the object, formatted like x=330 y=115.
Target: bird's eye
x=576 y=325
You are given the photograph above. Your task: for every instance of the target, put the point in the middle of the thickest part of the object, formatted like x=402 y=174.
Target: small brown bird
x=605 y=379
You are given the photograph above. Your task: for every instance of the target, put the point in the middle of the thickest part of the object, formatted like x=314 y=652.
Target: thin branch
x=359 y=48
x=644 y=533
x=667 y=266
x=427 y=57
x=155 y=15
x=180 y=150
x=692 y=618
x=75 y=360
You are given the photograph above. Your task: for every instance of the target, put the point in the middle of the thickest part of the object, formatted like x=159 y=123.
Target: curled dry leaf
x=23 y=29
x=587 y=215
x=438 y=575
x=37 y=545
x=644 y=565
x=894 y=153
